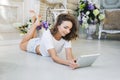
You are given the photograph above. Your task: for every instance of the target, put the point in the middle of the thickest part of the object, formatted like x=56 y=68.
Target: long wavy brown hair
x=66 y=17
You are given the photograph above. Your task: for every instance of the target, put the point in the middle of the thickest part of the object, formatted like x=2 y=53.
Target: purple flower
x=90 y=6
x=81 y=21
x=45 y=24
x=39 y=27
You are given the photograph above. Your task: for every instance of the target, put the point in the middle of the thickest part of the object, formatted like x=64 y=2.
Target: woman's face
x=65 y=28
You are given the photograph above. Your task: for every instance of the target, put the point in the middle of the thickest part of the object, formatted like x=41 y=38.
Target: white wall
x=10 y=13
x=13 y=11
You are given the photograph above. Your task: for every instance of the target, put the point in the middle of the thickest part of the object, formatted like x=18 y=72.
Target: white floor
x=18 y=65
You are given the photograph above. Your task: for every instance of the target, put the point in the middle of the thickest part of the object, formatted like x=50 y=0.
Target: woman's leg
x=30 y=34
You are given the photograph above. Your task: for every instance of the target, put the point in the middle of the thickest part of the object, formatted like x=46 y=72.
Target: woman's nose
x=68 y=31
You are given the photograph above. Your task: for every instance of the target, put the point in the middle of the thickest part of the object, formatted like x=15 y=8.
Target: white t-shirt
x=47 y=41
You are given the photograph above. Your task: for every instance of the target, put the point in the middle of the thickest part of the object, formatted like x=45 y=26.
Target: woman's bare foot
x=37 y=22
x=32 y=12
x=33 y=16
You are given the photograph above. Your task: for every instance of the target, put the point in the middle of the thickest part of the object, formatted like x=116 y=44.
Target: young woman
x=53 y=40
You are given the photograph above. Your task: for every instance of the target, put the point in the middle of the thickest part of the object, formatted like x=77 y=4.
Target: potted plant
x=89 y=14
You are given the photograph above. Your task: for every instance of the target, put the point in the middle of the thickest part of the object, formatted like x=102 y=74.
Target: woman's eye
x=65 y=27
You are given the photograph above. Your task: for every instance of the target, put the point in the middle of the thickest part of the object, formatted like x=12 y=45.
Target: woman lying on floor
x=53 y=40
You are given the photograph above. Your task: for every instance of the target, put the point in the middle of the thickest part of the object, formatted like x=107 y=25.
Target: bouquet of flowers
x=89 y=13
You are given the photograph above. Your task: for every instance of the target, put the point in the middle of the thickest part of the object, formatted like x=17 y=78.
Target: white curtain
x=31 y=5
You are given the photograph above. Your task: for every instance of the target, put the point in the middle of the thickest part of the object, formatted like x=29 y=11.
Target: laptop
x=86 y=60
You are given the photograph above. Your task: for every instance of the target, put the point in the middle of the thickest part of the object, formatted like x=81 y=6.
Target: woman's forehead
x=67 y=23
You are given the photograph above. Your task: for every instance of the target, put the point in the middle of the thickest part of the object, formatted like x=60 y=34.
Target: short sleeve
x=67 y=44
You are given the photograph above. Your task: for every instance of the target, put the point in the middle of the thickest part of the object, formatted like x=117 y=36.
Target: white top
x=47 y=41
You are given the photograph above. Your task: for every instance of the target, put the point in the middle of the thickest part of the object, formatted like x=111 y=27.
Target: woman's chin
x=64 y=35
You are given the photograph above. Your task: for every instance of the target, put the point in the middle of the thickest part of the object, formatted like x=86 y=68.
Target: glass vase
x=90 y=31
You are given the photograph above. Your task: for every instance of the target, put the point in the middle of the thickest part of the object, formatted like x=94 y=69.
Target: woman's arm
x=69 y=55
x=57 y=59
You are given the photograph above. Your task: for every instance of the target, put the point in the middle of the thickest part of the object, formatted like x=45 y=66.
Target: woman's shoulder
x=65 y=41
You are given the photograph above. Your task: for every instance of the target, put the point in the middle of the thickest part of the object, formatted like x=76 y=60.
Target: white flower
x=101 y=16
x=88 y=12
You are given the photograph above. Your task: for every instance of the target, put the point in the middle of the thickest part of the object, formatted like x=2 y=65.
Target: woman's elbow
x=22 y=46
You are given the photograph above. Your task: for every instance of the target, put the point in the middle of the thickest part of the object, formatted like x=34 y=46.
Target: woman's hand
x=72 y=64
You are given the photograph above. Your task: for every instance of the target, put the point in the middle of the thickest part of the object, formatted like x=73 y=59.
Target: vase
x=90 y=31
